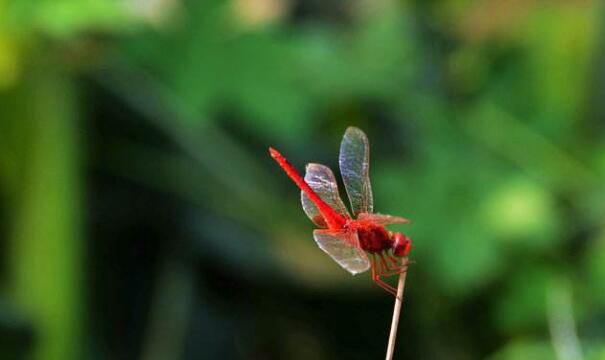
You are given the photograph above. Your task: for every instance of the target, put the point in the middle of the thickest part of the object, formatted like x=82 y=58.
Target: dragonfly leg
x=384 y=267
x=394 y=260
x=405 y=261
x=379 y=282
x=394 y=270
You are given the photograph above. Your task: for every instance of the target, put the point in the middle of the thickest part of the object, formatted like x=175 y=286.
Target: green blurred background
x=142 y=218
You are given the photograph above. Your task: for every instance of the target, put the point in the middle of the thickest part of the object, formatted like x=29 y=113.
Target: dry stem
x=396 y=312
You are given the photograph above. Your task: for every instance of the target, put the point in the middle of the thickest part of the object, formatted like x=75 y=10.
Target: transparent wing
x=354 y=162
x=344 y=248
x=383 y=219
x=321 y=179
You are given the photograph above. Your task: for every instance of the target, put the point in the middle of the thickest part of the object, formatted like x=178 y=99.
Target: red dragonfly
x=358 y=242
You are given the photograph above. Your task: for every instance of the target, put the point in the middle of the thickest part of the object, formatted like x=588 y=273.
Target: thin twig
x=396 y=312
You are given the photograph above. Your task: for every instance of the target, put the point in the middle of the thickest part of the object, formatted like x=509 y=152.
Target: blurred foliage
x=142 y=217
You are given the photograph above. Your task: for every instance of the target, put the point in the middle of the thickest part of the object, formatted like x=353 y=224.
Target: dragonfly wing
x=344 y=248
x=321 y=179
x=354 y=162
x=383 y=219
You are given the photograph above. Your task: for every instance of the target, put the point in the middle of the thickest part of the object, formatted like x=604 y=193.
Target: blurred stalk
x=45 y=263
x=171 y=311
x=561 y=322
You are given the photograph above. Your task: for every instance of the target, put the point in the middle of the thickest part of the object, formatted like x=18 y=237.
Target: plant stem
x=561 y=322
x=396 y=313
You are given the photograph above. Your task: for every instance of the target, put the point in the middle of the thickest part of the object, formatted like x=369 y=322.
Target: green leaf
x=520 y=211
x=594 y=261
x=65 y=18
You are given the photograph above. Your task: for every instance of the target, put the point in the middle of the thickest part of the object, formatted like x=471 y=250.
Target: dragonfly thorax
x=374 y=238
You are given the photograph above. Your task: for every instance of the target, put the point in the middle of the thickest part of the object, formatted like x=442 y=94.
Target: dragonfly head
x=401 y=244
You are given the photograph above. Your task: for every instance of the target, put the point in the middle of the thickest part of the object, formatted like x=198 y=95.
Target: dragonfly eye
x=401 y=244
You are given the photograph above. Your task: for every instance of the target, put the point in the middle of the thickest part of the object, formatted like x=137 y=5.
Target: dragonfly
x=358 y=241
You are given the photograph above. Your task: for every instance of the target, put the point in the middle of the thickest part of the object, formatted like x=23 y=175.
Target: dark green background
x=142 y=218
